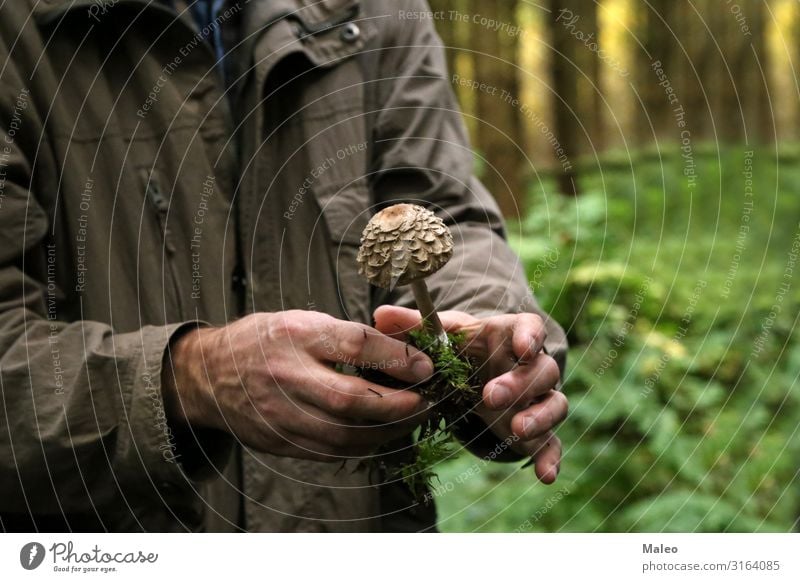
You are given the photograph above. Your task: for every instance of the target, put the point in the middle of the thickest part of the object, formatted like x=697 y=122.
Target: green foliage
x=454 y=389
x=453 y=378
x=684 y=360
x=432 y=446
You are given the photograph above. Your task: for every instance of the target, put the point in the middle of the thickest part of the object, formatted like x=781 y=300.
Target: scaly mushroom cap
x=403 y=243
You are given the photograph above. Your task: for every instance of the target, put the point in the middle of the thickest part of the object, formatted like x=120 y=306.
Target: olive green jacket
x=138 y=197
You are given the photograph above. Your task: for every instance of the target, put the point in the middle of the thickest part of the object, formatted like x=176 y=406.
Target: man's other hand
x=520 y=399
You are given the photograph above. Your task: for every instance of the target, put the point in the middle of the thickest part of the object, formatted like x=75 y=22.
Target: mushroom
x=403 y=244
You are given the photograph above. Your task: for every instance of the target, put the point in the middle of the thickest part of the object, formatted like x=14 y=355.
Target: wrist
x=185 y=378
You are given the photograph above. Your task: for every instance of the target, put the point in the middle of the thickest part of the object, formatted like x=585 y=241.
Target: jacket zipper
x=161 y=205
x=239 y=276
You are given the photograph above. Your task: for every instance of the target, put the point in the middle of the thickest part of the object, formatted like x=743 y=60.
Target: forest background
x=646 y=155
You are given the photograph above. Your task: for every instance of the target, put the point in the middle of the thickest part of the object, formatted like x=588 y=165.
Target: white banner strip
x=388 y=558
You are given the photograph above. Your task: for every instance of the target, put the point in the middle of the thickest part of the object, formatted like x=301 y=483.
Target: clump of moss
x=453 y=390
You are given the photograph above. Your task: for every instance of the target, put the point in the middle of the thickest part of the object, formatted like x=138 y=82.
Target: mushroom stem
x=428 y=311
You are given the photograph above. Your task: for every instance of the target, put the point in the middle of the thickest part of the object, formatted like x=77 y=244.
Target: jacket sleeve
x=83 y=419
x=422 y=155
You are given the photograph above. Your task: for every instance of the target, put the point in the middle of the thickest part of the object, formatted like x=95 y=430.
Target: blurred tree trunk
x=794 y=71
x=782 y=28
x=565 y=86
x=589 y=81
x=737 y=84
x=500 y=129
x=754 y=87
x=719 y=84
x=737 y=71
x=695 y=66
x=658 y=26
x=732 y=44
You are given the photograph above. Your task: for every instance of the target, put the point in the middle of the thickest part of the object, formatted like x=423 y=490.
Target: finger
x=541 y=417
x=529 y=334
x=314 y=435
x=396 y=321
x=545 y=453
x=457 y=320
x=490 y=340
x=265 y=436
x=362 y=346
x=522 y=384
x=345 y=435
x=301 y=447
x=548 y=460
x=508 y=340
x=352 y=397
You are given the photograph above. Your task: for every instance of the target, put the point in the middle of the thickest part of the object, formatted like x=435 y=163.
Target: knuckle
x=324 y=330
x=297 y=324
x=535 y=320
x=327 y=336
x=535 y=324
x=338 y=400
x=351 y=339
x=279 y=327
x=293 y=324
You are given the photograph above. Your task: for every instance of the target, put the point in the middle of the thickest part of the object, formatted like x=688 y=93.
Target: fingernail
x=500 y=396
x=529 y=426
x=422 y=369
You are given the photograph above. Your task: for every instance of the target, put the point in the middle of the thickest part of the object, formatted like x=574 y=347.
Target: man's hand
x=519 y=397
x=269 y=379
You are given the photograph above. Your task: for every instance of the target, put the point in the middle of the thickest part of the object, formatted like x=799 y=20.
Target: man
x=178 y=277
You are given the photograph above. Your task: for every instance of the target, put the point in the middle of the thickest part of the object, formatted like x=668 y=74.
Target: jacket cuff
x=171 y=456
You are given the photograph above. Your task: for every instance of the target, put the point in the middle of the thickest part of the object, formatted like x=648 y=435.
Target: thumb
x=396 y=321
